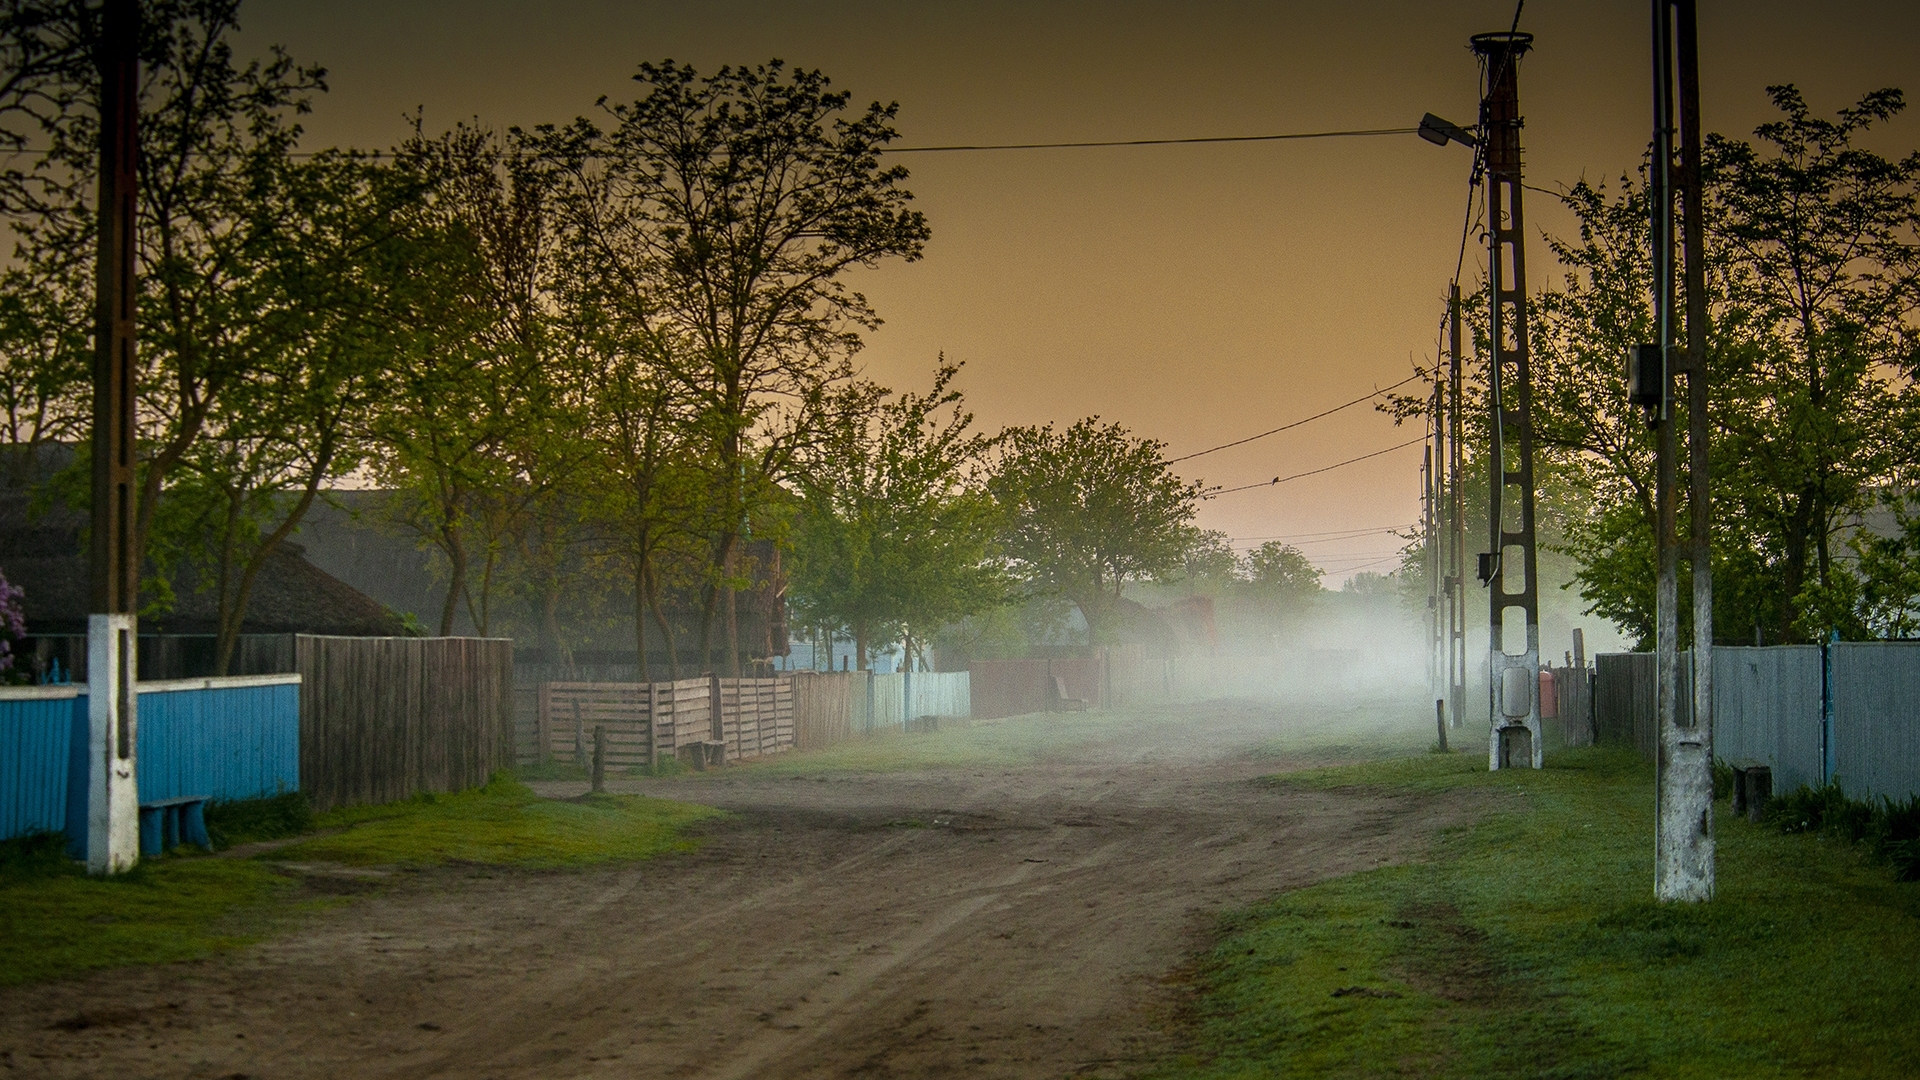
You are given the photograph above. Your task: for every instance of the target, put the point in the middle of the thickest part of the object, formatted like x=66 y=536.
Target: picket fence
x=646 y=723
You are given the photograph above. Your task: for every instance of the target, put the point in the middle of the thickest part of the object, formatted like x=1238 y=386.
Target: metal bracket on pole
x=1513 y=652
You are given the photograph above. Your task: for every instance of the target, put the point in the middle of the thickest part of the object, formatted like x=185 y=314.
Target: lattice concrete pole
x=113 y=794
x=1684 y=849
x=1513 y=651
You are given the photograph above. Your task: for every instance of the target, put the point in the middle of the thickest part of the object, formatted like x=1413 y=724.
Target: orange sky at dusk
x=1196 y=294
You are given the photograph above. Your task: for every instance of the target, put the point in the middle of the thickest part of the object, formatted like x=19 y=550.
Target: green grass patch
x=502 y=823
x=247 y=821
x=1530 y=946
x=57 y=921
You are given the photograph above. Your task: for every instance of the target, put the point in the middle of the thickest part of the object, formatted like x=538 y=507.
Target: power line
x=1360 y=133
x=1297 y=423
x=1316 y=472
x=1330 y=532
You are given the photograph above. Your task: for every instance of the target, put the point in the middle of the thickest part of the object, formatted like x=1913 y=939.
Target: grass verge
x=56 y=921
x=502 y=824
x=1362 y=731
x=1530 y=947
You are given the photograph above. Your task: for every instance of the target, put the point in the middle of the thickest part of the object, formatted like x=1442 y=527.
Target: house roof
x=43 y=550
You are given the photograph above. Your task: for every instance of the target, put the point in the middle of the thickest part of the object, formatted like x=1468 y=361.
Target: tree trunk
x=550 y=624
x=640 y=617
x=456 y=577
x=733 y=631
x=660 y=620
x=230 y=622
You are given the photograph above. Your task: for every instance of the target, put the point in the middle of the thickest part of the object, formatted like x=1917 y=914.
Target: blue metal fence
x=235 y=738
x=231 y=738
x=36 y=737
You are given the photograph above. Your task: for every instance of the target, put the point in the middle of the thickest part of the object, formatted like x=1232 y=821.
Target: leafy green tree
x=1810 y=281
x=1279 y=575
x=728 y=209
x=895 y=533
x=1089 y=509
x=1822 y=239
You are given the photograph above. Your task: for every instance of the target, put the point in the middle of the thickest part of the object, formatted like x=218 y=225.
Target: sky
x=1194 y=294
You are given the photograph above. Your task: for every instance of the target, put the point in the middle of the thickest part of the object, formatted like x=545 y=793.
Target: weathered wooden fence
x=1849 y=712
x=1017 y=687
x=382 y=719
x=650 y=722
x=823 y=706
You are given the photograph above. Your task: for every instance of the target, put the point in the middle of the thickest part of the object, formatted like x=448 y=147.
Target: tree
x=1279 y=575
x=895 y=534
x=1811 y=288
x=478 y=429
x=727 y=209
x=1823 y=242
x=1088 y=510
x=215 y=136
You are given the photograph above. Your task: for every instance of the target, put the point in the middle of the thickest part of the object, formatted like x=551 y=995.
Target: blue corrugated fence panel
x=35 y=733
x=227 y=742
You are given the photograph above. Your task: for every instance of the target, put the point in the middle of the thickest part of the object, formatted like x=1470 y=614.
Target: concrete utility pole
x=1683 y=840
x=113 y=794
x=1456 y=575
x=1511 y=569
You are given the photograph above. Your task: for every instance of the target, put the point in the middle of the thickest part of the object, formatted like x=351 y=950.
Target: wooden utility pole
x=1683 y=835
x=113 y=796
x=1511 y=569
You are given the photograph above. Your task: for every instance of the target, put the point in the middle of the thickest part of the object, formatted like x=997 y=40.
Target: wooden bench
x=1057 y=699
x=168 y=823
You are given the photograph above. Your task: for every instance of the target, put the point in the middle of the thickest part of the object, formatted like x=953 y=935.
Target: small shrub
x=1891 y=830
x=1722 y=779
x=247 y=821
x=36 y=855
x=1896 y=836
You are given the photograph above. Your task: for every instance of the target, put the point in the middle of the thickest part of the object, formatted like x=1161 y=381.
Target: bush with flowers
x=13 y=630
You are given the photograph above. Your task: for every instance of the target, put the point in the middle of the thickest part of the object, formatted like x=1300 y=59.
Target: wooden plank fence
x=382 y=719
x=823 y=706
x=649 y=722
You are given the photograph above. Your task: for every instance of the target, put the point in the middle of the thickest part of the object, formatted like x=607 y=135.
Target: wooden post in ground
x=599 y=758
x=1440 y=720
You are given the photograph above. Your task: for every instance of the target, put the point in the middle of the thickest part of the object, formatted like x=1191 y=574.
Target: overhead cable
x=1316 y=472
x=1297 y=423
x=1355 y=134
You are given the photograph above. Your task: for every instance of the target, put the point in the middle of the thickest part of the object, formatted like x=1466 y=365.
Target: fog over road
x=979 y=921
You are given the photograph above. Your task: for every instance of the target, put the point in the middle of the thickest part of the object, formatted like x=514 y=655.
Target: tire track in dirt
x=1029 y=932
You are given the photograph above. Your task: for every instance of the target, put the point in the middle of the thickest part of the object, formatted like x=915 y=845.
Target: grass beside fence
x=502 y=824
x=1529 y=946
x=56 y=921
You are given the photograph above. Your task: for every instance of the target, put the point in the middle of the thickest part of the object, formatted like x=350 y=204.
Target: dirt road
x=1024 y=922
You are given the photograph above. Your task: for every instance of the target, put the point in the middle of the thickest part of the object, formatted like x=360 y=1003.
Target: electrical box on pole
x=1512 y=575
x=113 y=795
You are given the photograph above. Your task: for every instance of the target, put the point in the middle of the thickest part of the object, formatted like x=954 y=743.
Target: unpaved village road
x=1035 y=926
